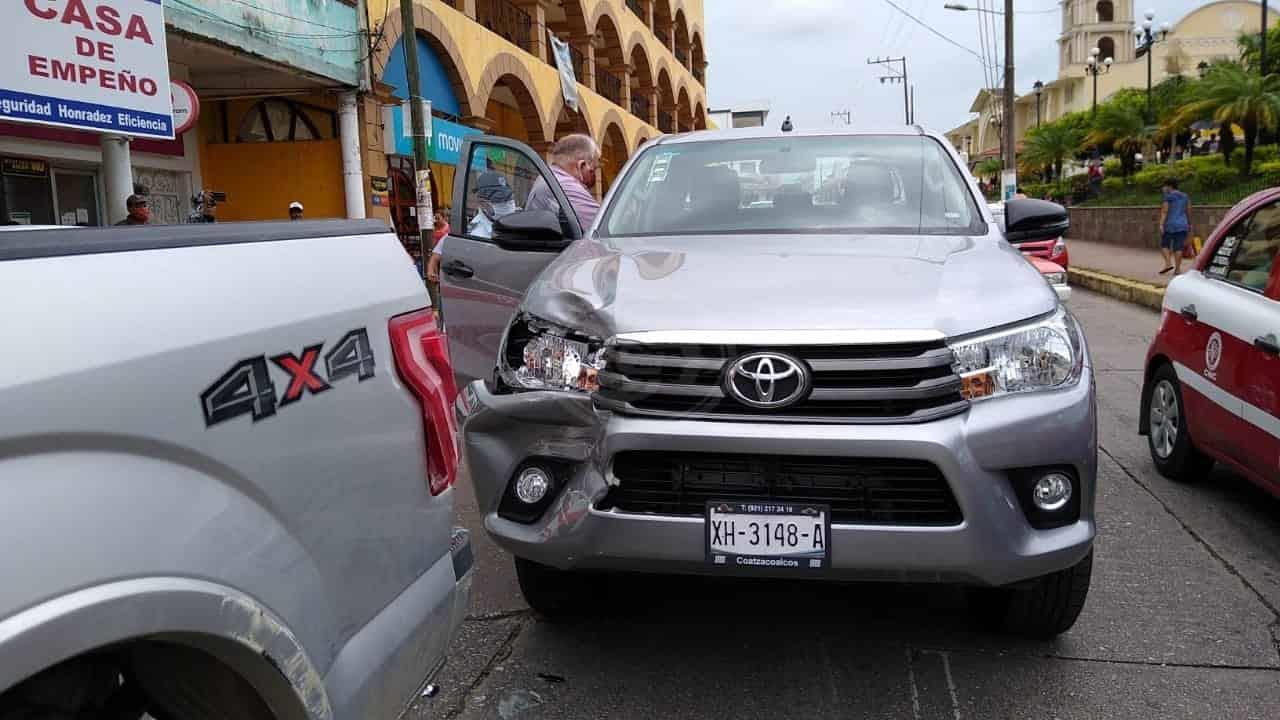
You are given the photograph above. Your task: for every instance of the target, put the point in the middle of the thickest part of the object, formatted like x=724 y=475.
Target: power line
x=929 y=27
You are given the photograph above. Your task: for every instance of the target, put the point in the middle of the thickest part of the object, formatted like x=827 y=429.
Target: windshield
x=863 y=183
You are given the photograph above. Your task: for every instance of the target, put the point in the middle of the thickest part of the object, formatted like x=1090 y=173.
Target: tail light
x=422 y=360
x=1059 y=247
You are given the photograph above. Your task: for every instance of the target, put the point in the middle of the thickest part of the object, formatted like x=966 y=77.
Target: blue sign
x=446 y=138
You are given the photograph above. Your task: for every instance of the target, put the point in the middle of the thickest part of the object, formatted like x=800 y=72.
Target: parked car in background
x=227 y=460
x=1054 y=274
x=1212 y=387
x=1052 y=248
x=863 y=384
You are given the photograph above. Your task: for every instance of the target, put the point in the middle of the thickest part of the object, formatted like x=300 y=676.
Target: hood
x=949 y=284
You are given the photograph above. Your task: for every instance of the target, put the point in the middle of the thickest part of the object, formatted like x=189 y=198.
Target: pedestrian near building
x=439 y=229
x=295 y=210
x=1175 y=224
x=575 y=161
x=1095 y=177
x=139 y=211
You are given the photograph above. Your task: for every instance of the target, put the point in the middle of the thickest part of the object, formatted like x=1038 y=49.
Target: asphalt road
x=1183 y=619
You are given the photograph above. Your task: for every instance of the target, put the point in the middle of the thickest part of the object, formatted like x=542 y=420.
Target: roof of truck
x=58 y=241
x=773 y=130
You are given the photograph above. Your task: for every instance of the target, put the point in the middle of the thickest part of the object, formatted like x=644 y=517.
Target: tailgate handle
x=1189 y=312
x=1267 y=344
x=457 y=268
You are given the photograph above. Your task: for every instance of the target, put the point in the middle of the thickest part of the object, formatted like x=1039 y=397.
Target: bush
x=1033 y=190
x=1154 y=177
x=1111 y=166
x=1113 y=184
x=1215 y=178
x=1264 y=154
x=1268 y=172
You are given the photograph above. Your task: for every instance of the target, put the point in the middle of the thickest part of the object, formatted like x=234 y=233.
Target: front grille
x=891 y=383
x=858 y=490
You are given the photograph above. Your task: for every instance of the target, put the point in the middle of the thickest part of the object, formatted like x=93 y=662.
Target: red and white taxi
x=1052 y=248
x=1054 y=274
x=1212 y=388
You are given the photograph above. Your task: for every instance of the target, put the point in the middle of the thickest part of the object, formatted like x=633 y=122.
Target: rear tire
x=1168 y=439
x=552 y=592
x=1042 y=609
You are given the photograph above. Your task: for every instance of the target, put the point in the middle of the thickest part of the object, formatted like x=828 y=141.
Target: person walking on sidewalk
x=1175 y=223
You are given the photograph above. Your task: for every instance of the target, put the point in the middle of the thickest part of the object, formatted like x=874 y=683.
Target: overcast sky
x=808 y=57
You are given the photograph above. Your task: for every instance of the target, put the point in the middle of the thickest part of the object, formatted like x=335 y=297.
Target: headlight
x=1043 y=355
x=1056 y=278
x=539 y=355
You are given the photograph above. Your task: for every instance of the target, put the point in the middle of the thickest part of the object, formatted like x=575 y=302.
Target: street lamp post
x=1146 y=41
x=1039 y=88
x=1094 y=68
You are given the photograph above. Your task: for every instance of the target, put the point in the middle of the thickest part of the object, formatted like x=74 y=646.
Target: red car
x=1053 y=249
x=1212 y=385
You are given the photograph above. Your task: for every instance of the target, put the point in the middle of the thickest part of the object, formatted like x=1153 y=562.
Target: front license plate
x=787 y=536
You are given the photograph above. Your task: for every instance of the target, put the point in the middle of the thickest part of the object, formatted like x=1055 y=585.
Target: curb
x=1120 y=288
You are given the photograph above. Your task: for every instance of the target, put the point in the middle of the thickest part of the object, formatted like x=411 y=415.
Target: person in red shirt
x=439 y=229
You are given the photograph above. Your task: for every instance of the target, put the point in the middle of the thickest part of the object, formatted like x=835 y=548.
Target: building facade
x=1208 y=33
x=487 y=66
x=274 y=78
x=300 y=100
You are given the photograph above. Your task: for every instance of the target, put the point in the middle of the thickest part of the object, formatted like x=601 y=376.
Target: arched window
x=276 y=120
x=1106 y=11
x=1107 y=48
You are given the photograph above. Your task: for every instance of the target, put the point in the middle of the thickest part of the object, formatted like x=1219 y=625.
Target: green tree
x=1230 y=93
x=1049 y=145
x=988 y=168
x=1251 y=50
x=1120 y=123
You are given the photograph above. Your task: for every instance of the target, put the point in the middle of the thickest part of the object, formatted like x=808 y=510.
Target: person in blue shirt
x=1175 y=224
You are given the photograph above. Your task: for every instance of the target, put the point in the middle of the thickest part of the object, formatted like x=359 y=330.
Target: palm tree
x=988 y=168
x=1049 y=145
x=1123 y=126
x=1231 y=94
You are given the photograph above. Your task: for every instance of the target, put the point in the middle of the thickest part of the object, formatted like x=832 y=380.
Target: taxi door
x=1247 y=317
x=1260 y=371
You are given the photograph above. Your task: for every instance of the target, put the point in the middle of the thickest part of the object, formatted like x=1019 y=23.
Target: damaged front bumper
x=976 y=452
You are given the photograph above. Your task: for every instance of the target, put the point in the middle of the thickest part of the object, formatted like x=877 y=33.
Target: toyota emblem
x=767 y=380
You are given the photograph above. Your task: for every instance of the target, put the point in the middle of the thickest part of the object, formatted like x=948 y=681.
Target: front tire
x=552 y=592
x=1168 y=440
x=1041 y=609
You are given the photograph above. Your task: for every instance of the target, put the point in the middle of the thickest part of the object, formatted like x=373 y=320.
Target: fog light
x=532 y=484
x=1051 y=492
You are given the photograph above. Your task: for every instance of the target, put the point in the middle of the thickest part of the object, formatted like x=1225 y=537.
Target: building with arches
x=1208 y=33
x=488 y=66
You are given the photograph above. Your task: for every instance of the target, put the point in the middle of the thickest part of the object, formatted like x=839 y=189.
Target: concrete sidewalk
x=1120 y=271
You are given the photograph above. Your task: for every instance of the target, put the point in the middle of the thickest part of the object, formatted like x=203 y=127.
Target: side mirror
x=532 y=230
x=1027 y=219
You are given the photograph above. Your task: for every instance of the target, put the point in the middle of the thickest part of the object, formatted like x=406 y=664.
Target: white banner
x=97 y=65
x=564 y=63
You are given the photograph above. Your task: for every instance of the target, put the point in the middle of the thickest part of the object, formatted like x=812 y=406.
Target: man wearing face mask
x=575 y=160
x=139 y=212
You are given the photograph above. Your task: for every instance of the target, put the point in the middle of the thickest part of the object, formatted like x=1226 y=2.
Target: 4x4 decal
x=247 y=388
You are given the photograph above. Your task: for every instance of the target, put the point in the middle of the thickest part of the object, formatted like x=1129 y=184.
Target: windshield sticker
x=658 y=173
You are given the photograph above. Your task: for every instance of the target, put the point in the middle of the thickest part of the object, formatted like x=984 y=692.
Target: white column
x=352 y=170
x=117 y=176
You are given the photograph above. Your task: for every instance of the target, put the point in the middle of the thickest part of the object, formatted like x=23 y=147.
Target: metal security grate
x=898 y=383
x=858 y=490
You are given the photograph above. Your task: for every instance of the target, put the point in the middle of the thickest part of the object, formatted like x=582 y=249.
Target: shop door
x=75 y=198
x=27 y=200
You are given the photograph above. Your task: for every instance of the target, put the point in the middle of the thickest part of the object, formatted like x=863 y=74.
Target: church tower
x=1086 y=24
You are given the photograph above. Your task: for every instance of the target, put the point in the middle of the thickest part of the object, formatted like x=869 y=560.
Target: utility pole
x=897 y=77
x=422 y=176
x=1010 y=149
x=1262 y=64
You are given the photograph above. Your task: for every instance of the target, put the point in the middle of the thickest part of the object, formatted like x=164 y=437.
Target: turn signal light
x=422 y=360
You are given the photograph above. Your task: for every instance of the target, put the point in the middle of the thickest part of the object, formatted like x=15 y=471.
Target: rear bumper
x=993 y=545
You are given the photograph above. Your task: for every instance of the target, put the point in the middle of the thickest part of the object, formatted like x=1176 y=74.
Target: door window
x=1247 y=252
x=501 y=181
x=76 y=197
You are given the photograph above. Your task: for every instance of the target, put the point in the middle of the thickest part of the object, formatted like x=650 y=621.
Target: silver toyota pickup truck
x=774 y=354
x=226 y=457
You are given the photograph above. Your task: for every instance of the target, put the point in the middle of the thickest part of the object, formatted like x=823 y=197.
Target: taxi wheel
x=554 y=593
x=1172 y=450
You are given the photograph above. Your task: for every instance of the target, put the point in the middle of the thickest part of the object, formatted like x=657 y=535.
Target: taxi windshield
x=884 y=184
